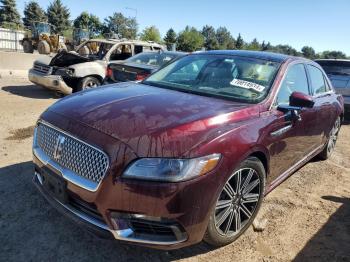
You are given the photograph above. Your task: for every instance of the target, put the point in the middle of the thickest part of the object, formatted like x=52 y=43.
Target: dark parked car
x=189 y=153
x=139 y=66
x=338 y=72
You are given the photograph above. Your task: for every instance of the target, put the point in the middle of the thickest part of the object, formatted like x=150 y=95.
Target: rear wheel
x=27 y=46
x=332 y=140
x=44 y=47
x=88 y=83
x=238 y=203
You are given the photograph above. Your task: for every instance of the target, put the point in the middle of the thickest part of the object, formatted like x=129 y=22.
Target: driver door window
x=295 y=80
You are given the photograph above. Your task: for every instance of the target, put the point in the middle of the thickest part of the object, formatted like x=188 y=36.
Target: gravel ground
x=307 y=217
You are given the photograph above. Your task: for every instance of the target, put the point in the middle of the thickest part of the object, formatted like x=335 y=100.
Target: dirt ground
x=308 y=216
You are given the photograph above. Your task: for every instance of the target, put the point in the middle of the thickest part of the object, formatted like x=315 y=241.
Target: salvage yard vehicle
x=40 y=38
x=188 y=153
x=79 y=35
x=69 y=72
x=138 y=67
x=338 y=71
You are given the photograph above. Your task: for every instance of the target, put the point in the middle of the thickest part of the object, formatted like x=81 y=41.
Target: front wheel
x=332 y=140
x=88 y=83
x=238 y=203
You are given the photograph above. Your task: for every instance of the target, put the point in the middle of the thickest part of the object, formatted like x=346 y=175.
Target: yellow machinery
x=40 y=38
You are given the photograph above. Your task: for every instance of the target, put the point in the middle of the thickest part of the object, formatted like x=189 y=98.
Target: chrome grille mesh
x=82 y=159
x=45 y=69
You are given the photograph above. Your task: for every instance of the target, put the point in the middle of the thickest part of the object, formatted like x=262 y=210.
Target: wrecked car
x=84 y=68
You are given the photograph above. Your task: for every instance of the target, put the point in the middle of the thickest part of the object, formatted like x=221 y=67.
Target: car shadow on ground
x=30 y=91
x=33 y=230
x=332 y=241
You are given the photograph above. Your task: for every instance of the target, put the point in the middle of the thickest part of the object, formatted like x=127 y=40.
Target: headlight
x=171 y=170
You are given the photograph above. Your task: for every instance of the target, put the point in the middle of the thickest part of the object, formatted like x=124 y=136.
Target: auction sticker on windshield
x=247 y=85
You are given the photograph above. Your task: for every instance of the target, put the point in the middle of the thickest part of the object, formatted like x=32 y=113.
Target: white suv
x=84 y=68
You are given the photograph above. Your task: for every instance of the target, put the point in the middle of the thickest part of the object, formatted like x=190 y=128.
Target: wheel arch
x=262 y=156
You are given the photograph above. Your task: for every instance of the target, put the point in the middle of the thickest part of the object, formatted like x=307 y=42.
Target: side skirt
x=293 y=169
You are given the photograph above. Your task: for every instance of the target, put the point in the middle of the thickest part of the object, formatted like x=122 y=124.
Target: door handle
x=281 y=131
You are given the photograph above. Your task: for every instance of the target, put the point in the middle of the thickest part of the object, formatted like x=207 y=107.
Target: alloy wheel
x=237 y=202
x=333 y=136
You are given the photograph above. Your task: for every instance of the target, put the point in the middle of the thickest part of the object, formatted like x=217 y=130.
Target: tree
x=225 y=39
x=254 y=45
x=239 y=42
x=170 y=38
x=88 y=21
x=308 y=52
x=266 y=47
x=333 y=55
x=33 y=13
x=151 y=34
x=58 y=16
x=9 y=16
x=210 y=40
x=190 y=40
x=124 y=27
x=286 y=49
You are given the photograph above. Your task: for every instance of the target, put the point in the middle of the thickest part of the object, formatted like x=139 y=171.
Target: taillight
x=141 y=76
x=109 y=72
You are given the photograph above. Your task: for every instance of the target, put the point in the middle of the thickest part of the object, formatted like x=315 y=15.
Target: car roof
x=332 y=60
x=115 y=41
x=276 y=57
x=165 y=52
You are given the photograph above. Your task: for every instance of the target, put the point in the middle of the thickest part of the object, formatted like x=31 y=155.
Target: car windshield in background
x=94 y=49
x=231 y=77
x=335 y=67
x=154 y=58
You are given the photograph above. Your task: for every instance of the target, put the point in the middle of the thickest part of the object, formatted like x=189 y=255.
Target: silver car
x=338 y=71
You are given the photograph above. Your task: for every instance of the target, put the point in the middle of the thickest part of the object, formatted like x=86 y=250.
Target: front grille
x=79 y=157
x=41 y=68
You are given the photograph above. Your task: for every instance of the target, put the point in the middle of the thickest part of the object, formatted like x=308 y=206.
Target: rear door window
x=317 y=80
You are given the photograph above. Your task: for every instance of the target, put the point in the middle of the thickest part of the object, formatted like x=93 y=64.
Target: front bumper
x=52 y=82
x=97 y=226
x=176 y=215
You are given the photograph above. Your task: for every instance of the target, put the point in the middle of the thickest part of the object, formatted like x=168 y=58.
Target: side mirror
x=298 y=99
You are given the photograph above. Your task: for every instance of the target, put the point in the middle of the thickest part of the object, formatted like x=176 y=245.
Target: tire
x=27 y=46
x=332 y=140
x=87 y=83
x=230 y=217
x=44 y=47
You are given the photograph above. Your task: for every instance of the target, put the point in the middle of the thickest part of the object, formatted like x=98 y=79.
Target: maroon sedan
x=189 y=153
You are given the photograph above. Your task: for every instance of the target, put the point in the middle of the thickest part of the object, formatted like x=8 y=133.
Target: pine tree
x=58 y=16
x=170 y=38
x=210 y=40
x=239 y=42
x=33 y=13
x=9 y=16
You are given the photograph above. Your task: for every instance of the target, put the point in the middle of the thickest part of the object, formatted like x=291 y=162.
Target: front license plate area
x=55 y=185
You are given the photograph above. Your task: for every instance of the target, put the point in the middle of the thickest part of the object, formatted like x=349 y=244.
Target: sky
x=322 y=24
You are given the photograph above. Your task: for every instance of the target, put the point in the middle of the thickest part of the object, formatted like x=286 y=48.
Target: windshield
x=154 y=58
x=335 y=67
x=230 y=77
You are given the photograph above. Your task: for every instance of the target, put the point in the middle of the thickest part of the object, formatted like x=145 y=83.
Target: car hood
x=68 y=58
x=152 y=121
x=45 y=60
